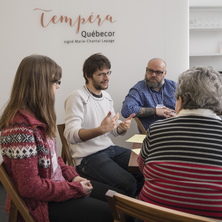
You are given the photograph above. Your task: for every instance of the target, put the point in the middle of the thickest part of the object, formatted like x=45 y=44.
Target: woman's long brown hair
x=32 y=90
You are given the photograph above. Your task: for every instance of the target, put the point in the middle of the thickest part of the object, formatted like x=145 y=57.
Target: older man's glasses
x=157 y=72
x=103 y=74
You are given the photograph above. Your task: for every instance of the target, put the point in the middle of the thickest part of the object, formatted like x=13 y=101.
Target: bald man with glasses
x=153 y=98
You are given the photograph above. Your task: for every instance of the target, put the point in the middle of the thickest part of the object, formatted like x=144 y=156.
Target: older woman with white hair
x=181 y=157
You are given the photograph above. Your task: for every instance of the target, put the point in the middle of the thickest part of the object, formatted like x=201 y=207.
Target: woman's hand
x=87 y=187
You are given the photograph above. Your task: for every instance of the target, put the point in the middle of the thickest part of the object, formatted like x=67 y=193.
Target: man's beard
x=154 y=85
x=98 y=87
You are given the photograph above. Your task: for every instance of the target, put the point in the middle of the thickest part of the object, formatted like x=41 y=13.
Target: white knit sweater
x=83 y=110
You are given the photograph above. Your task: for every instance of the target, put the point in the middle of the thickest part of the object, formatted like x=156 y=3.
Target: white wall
x=205 y=2
x=143 y=29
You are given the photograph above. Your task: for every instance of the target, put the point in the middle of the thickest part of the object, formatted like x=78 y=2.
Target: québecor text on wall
x=81 y=34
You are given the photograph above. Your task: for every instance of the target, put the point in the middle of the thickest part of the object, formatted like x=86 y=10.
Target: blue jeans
x=110 y=166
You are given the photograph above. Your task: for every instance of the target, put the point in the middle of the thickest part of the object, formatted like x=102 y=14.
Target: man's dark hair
x=93 y=63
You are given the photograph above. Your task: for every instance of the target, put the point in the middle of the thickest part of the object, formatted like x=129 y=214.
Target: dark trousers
x=90 y=209
x=85 y=209
x=110 y=166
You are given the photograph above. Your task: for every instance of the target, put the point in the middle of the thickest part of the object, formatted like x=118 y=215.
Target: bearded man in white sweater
x=90 y=119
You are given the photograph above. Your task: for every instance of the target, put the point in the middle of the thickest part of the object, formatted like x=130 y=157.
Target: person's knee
x=130 y=186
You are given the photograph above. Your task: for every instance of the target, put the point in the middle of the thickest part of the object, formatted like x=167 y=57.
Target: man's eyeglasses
x=158 y=72
x=103 y=74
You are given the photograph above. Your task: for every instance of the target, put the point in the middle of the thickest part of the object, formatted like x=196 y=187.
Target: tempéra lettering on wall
x=47 y=18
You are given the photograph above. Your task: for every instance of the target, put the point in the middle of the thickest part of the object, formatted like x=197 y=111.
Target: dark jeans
x=100 y=189
x=110 y=166
x=93 y=208
x=85 y=209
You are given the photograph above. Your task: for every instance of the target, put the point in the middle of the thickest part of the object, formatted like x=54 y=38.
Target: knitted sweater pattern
x=27 y=159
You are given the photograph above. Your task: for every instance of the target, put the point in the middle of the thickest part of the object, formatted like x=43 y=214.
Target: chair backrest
x=66 y=154
x=17 y=203
x=140 y=125
x=122 y=205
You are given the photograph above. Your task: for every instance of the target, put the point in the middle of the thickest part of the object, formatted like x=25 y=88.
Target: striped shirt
x=181 y=160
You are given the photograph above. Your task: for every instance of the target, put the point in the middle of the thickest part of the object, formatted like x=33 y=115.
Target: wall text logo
x=76 y=22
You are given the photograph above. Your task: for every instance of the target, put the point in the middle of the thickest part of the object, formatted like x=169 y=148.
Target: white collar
x=198 y=112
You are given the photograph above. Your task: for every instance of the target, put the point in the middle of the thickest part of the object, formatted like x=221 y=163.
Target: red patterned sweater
x=27 y=159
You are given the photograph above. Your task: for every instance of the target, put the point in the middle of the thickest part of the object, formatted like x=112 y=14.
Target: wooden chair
x=140 y=125
x=122 y=205
x=17 y=204
x=143 y=131
x=66 y=154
